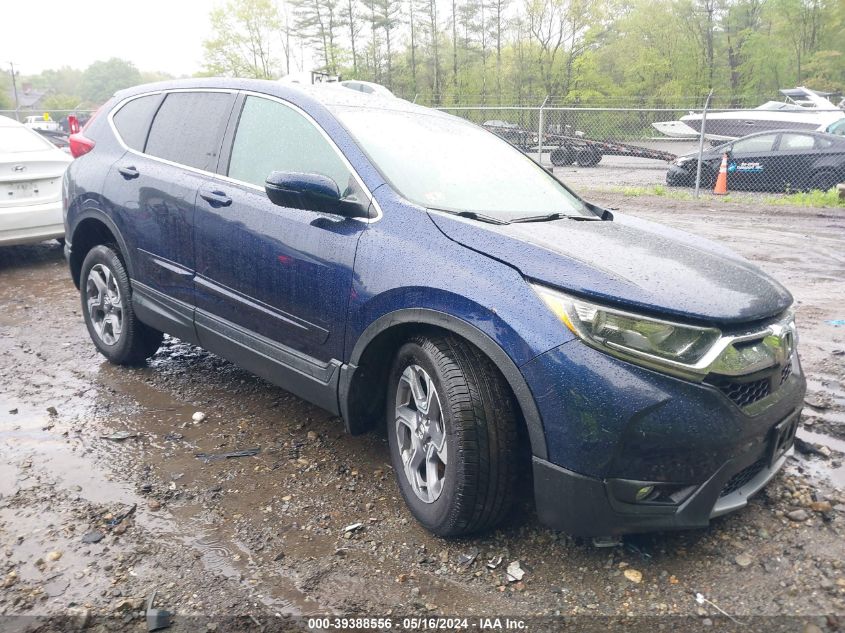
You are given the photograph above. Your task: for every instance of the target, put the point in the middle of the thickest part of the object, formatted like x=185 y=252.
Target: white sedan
x=31 y=170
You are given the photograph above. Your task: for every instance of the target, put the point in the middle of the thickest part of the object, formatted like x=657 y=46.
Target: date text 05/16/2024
x=417 y=623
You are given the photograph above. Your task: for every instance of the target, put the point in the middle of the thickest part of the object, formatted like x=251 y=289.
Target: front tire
x=452 y=429
x=107 y=308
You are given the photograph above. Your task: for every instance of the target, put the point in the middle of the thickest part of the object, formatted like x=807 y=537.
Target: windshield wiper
x=556 y=216
x=472 y=215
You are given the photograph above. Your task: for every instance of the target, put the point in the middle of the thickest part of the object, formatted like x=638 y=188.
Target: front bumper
x=612 y=427
x=679 y=176
x=584 y=506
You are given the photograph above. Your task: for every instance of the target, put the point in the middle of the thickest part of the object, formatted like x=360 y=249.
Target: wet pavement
x=103 y=498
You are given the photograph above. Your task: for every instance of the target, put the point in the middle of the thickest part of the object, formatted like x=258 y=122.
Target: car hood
x=631 y=263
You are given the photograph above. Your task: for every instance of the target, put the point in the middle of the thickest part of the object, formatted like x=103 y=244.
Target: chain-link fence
x=54 y=119
x=774 y=150
x=597 y=147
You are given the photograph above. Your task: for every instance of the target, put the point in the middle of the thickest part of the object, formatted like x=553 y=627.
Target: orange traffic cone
x=721 y=187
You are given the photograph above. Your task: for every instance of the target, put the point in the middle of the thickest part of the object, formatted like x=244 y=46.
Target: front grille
x=745 y=393
x=743 y=477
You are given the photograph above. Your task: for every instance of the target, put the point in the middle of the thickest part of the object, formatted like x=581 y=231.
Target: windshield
x=442 y=162
x=20 y=139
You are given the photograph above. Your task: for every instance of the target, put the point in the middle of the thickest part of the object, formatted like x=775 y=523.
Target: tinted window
x=755 y=144
x=133 y=120
x=796 y=142
x=189 y=127
x=274 y=137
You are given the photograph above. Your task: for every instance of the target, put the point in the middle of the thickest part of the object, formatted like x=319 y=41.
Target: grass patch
x=653 y=190
x=815 y=198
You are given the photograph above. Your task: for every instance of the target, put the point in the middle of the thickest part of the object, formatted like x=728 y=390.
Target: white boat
x=803 y=109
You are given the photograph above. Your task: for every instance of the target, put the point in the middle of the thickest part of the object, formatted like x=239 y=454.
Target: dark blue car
x=410 y=271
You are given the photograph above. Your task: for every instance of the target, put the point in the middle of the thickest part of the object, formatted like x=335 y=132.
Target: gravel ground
x=103 y=500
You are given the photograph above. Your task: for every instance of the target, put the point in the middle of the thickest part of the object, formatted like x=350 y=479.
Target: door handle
x=216 y=198
x=129 y=172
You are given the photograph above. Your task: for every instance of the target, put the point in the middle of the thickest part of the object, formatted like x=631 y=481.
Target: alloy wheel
x=421 y=433
x=104 y=305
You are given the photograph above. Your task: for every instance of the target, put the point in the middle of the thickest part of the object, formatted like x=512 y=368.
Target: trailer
x=567 y=149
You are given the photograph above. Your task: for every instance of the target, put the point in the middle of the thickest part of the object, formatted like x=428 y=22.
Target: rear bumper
x=31 y=223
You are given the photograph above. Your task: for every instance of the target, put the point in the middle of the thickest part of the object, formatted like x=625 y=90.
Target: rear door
x=153 y=189
x=795 y=156
x=750 y=164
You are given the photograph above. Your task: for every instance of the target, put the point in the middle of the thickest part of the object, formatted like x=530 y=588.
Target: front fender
x=468 y=332
x=409 y=272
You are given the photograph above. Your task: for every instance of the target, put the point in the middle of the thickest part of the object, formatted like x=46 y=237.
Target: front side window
x=188 y=128
x=755 y=144
x=442 y=162
x=132 y=121
x=274 y=137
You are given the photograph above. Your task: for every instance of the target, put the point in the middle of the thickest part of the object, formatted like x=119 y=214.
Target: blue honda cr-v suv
x=404 y=268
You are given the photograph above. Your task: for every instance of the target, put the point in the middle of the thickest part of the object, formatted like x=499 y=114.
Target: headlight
x=684 y=350
x=675 y=347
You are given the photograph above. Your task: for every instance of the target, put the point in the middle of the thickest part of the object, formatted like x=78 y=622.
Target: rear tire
x=823 y=180
x=562 y=156
x=107 y=308
x=452 y=434
x=588 y=157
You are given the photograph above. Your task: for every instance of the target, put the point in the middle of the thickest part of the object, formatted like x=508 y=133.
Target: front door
x=270 y=278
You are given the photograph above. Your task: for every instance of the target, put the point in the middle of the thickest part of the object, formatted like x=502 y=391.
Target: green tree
x=59 y=102
x=245 y=33
x=320 y=23
x=102 y=79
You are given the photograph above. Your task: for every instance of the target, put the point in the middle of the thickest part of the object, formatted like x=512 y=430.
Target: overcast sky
x=163 y=35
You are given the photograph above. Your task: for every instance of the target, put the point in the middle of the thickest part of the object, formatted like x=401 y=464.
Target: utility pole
x=15 y=90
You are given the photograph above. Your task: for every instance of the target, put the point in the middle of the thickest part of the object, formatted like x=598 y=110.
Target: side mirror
x=313 y=192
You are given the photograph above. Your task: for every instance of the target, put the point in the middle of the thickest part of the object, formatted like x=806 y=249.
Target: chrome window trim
x=221 y=177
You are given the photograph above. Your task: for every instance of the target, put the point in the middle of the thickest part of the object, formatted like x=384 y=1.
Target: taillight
x=80 y=144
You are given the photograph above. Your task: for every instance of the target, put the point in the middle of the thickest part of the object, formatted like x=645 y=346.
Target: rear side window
x=797 y=142
x=20 y=139
x=189 y=127
x=274 y=137
x=132 y=121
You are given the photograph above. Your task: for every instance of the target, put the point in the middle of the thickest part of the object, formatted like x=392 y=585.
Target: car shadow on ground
x=23 y=256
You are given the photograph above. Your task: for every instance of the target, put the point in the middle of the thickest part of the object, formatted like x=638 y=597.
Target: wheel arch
x=92 y=228
x=363 y=378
